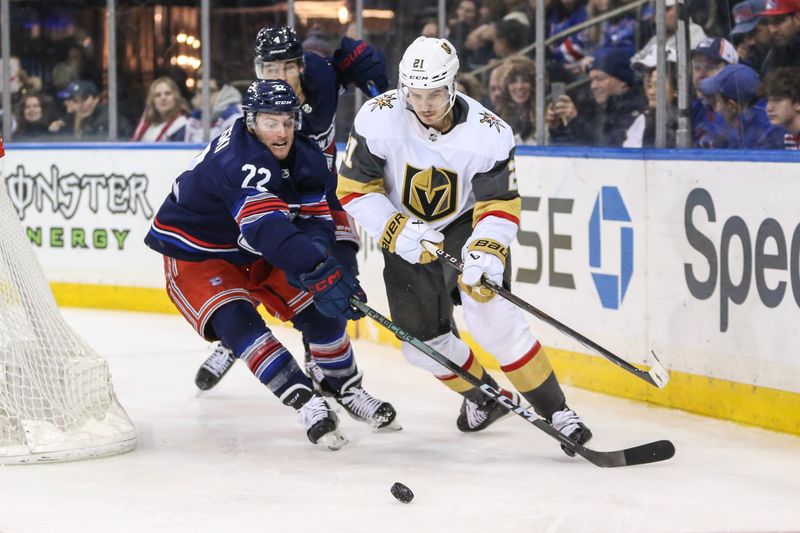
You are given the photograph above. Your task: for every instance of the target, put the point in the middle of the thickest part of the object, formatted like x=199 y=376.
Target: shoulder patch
x=382 y=101
x=491 y=120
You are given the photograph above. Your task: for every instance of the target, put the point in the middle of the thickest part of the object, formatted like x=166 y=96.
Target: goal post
x=57 y=402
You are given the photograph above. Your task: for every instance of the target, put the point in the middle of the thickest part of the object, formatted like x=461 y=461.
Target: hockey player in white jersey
x=426 y=163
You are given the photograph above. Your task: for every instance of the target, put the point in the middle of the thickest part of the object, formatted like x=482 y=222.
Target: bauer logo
x=610 y=221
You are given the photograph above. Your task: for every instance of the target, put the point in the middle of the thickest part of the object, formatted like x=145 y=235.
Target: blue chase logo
x=609 y=207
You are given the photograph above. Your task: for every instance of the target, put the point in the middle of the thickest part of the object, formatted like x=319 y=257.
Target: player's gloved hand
x=403 y=236
x=482 y=257
x=346 y=253
x=332 y=287
x=361 y=63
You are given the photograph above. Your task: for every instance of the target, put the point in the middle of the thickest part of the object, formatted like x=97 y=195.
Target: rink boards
x=695 y=258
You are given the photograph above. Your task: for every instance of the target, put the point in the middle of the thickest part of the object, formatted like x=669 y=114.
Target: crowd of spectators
x=744 y=56
x=601 y=80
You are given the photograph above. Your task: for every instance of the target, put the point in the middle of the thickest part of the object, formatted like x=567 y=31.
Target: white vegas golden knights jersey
x=423 y=173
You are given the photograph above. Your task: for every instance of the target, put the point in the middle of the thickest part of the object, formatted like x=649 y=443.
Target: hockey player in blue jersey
x=317 y=81
x=249 y=223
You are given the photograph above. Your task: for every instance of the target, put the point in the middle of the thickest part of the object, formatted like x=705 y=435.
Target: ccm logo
x=327 y=282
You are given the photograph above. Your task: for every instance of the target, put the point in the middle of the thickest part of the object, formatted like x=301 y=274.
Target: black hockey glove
x=332 y=287
x=361 y=63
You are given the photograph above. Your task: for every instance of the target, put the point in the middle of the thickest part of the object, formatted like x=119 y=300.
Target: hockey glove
x=361 y=63
x=403 y=236
x=482 y=257
x=332 y=287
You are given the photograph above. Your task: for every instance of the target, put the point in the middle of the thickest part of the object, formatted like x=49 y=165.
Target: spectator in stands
x=490 y=100
x=89 y=116
x=226 y=107
x=696 y=33
x=21 y=82
x=470 y=85
x=734 y=93
x=460 y=26
x=783 y=20
x=165 y=113
x=642 y=132
x=618 y=100
x=515 y=104
x=708 y=59
x=66 y=122
x=709 y=56
x=751 y=33
x=34 y=112
x=781 y=88
x=498 y=40
x=75 y=67
x=430 y=28
x=511 y=35
x=562 y=15
x=617 y=31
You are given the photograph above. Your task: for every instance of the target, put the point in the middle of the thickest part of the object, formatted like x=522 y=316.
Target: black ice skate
x=570 y=425
x=364 y=407
x=316 y=416
x=478 y=411
x=217 y=365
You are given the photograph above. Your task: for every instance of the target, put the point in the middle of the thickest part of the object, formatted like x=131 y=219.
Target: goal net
x=57 y=402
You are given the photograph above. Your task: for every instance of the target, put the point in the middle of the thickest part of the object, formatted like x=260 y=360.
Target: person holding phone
x=617 y=103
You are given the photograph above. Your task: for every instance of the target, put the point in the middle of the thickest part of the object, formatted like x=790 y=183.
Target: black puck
x=402 y=493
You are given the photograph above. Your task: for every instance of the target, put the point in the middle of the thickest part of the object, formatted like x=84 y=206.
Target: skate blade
x=393 y=426
x=333 y=440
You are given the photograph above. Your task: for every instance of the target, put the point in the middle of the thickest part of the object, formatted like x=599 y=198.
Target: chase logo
x=609 y=210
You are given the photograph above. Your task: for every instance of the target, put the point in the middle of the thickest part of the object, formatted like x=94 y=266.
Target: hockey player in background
x=249 y=223
x=425 y=163
x=316 y=81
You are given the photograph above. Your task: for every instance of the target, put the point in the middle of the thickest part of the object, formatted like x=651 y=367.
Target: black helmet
x=269 y=96
x=277 y=43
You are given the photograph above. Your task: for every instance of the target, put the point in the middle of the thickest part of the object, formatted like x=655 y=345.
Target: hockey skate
x=217 y=365
x=476 y=416
x=364 y=407
x=570 y=425
x=478 y=411
x=316 y=416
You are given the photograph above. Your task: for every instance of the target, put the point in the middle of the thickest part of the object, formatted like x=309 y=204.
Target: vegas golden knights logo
x=430 y=193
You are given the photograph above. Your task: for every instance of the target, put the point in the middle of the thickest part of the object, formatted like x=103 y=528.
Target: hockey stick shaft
x=657 y=376
x=646 y=453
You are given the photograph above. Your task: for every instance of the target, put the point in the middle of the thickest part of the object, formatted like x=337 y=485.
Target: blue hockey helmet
x=277 y=43
x=269 y=96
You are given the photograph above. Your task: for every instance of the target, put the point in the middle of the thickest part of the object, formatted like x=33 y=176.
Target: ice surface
x=235 y=459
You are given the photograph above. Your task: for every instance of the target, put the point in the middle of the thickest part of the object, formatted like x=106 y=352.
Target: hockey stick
x=657 y=375
x=651 y=452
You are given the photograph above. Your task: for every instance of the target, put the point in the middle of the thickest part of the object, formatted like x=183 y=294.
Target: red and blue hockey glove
x=361 y=63
x=332 y=287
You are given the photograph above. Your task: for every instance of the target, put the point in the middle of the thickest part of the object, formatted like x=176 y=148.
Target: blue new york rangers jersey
x=237 y=201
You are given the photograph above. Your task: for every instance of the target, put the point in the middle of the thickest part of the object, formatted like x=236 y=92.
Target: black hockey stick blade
x=658 y=376
x=646 y=453
x=652 y=452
